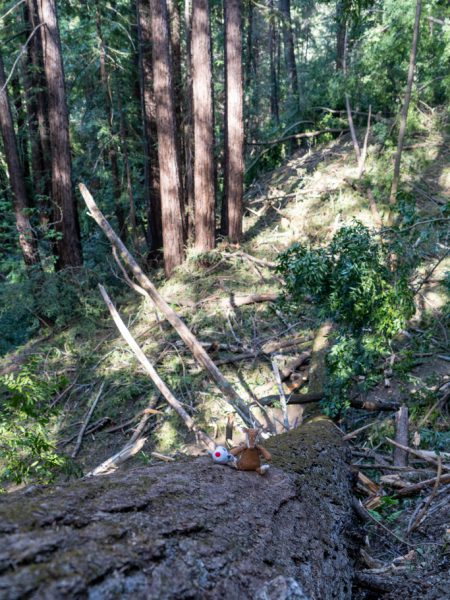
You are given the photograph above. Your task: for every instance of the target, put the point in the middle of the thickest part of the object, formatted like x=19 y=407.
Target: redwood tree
x=289 y=51
x=27 y=239
x=66 y=214
x=203 y=127
x=152 y=191
x=234 y=123
x=172 y=217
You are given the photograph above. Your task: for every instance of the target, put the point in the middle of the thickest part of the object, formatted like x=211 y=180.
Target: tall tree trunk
x=289 y=49
x=112 y=152
x=154 y=229
x=39 y=105
x=173 y=9
x=341 y=28
x=126 y=161
x=405 y=108
x=274 y=96
x=69 y=246
x=172 y=218
x=189 y=126
x=27 y=239
x=234 y=123
x=203 y=127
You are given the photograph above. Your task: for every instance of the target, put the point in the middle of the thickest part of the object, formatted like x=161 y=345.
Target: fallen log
x=188 y=529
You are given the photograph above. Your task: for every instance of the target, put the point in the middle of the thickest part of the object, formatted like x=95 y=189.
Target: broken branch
x=150 y=370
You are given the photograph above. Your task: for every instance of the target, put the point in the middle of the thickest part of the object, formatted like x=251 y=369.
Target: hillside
x=227 y=297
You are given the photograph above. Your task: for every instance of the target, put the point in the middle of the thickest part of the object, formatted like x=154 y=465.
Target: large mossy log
x=189 y=529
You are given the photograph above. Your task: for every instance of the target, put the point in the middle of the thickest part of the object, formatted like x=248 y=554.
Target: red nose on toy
x=217 y=454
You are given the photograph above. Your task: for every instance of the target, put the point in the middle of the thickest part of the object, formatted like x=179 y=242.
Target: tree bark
x=405 y=109
x=27 y=238
x=234 y=123
x=152 y=188
x=289 y=49
x=188 y=127
x=69 y=246
x=341 y=29
x=172 y=218
x=189 y=529
x=274 y=95
x=203 y=127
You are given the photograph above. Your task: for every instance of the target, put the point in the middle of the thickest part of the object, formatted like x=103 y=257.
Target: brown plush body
x=248 y=454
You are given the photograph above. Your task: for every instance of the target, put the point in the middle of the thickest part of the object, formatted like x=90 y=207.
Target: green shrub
x=27 y=451
x=350 y=281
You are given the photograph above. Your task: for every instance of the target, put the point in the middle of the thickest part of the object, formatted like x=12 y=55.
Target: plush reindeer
x=248 y=454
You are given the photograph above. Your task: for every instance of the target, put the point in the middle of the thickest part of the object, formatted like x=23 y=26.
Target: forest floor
x=306 y=199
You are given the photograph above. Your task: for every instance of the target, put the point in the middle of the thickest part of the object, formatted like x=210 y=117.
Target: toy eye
x=218 y=454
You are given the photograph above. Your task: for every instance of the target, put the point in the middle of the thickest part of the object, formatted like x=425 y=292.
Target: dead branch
x=418 y=487
x=259 y=261
x=271 y=347
x=422 y=455
x=354 y=433
x=362 y=161
x=276 y=372
x=422 y=514
x=298 y=136
x=183 y=331
x=365 y=515
x=117 y=459
x=352 y=129
x=401 y=437
x=150 y=370
x=295 y=364
x=86 y=421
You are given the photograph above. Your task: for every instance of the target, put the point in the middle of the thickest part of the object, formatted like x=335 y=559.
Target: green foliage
x=48 y=299
x=27 y=451
x=350 y=281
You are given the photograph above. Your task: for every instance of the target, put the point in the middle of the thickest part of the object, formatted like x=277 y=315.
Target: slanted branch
x=199 y=353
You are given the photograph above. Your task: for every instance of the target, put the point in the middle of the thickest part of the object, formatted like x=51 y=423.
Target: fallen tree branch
x=298 y=136
x=117 y=459
x=276 y=372
x=401 y=436
x=418 y=487
x=86 y=421
x=295 y=364
x=422 y=455
x=150 y=370
x=422 y=514
x=181 y=328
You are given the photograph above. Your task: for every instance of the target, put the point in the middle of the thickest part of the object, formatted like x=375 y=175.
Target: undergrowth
x=27 y=450
x=351 y=282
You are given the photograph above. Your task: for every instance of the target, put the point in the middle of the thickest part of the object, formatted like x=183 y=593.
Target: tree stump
x=189 y=529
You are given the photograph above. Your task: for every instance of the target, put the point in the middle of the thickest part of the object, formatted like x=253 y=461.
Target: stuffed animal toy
x=221 y=456
x=248 y=454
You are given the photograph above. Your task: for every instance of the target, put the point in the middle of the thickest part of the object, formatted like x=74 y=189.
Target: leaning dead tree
x=199 y=353
x=188 y=529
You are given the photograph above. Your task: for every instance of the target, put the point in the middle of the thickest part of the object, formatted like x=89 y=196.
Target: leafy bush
x=350 y=281
x=26 y=448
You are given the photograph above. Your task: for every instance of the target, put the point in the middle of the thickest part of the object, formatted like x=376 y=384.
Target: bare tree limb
x=150 y=370
x=22 y=50
x=86 y=421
